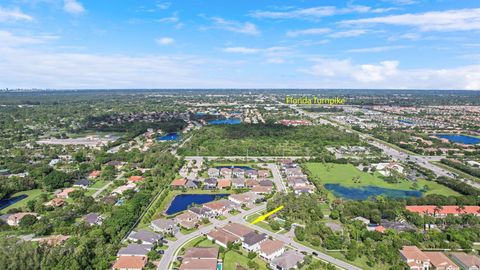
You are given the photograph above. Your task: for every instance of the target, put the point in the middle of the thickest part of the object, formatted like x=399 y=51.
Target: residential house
x=135 y=179
x=365 y=221
x=200 y=258
x=238 y=183
x=261 y=189
x=222 y=237
x=251 y=174
x=266 y=183
x=263 y=173
x=64 y=193
x=223 y=183
x=201 y=212
x=237 y=172
x=187 y=219
x=135 y=250
x=220 y=207
x=164 y=226
x=130 y=263
x=94 y=174
x=117 y=164
x=82 y=183
x=288 y=260
x=440 y=261
x=445 y=210
x=145 y=237
x=252 y=241
x=93 y=219
x=251 y=183
x=55 y=202
x=121 y=189
x=398 y=226
x=238 y=230
x=270 y=249
x=226 y=172
x=213 y=172
x=415 y=258
x=466 y=261
x=247 y=198
x=191 y=184
x=210 y=183
x=14 y=219
x=178 y=183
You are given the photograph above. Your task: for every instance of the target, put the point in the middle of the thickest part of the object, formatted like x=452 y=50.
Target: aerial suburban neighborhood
x=240 y=135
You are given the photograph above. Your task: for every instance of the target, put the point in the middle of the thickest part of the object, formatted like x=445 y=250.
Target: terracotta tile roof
x=444 y=210
x=270 y=246
x=468 y=260
x=237 y=229
x=201 y=253
x=222 y=236
x=199 y=264
x=413 y=252
x=440 y=261
x=130 y=262
x=135 y=178
x=223 y=183
x=95 y=174
x=179 y=182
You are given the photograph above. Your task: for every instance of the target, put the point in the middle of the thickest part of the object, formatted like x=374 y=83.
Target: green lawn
x=32 y=194
x=233 y=258
x=99 y=184
x=331 y=173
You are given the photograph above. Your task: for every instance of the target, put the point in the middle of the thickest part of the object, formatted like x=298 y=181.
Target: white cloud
x=310 y=31
x=387 y=75
x=13 y=15
x=164 y=41
x=73 y=7
x=377 y=49
x=7 y=39
x=317 y=12
x=246 y=28
x=242 y=50
x=163 y=5
x=449 y=20
x=348 y=33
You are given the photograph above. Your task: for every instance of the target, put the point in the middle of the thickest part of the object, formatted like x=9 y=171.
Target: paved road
x=300 y=247
x=172 y=251
x=277 y=177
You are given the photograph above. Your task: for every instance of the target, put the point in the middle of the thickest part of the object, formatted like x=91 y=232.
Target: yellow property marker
x=263 y=217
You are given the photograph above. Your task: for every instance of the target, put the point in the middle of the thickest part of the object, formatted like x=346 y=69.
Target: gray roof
x=254 y=238
x=146 y=236
x=135 y=250
x=5 y=217
x=199 y=210
x=211 y=181
x=91 y=218
x=288 y=260
x=190 y=184
x=82 y=182
x=266 y=183
x=164 y=224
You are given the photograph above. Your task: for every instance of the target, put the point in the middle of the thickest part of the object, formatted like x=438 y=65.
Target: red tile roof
x=444 y=210
x=135 y=178
x=130 y=262
x=179 y=182
x=223 y=183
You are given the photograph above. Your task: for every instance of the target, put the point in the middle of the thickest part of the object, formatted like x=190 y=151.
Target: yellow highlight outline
x=263 y=217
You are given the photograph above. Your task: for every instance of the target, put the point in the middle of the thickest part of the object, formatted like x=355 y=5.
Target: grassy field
x=99 y=184
x=331 y=173
x=32 y=194
x=233 y=258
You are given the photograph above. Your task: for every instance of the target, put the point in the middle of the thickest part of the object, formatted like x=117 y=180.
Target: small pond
x=184 y=201
x=362 y=193
x=458 y=138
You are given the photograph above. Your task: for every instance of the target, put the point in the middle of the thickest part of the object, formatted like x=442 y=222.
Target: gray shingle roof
x=135 y=250
x=254 y=238
x=146 y=236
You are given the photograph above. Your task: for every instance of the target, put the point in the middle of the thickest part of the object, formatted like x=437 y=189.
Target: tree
x=251 y=255
x=27 y=221
x=55 y=179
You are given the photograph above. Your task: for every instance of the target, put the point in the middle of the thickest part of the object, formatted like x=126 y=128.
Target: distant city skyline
x=388 y=44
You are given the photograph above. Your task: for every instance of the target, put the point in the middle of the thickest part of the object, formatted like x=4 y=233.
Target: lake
x=169 y=137
x=7 y=202
x=456 y=138
x=362 y=193
x=231 y=121
x=184 y=201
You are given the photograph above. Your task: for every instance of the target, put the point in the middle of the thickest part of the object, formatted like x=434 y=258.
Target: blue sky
x=410 y=44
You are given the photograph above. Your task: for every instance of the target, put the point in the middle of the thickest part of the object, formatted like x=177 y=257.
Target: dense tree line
x=458 y=186
x=462 y=167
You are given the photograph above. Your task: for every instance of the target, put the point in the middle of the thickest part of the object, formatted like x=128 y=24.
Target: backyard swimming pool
x=456 y=138
x=362 y=193
x=184 y=201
